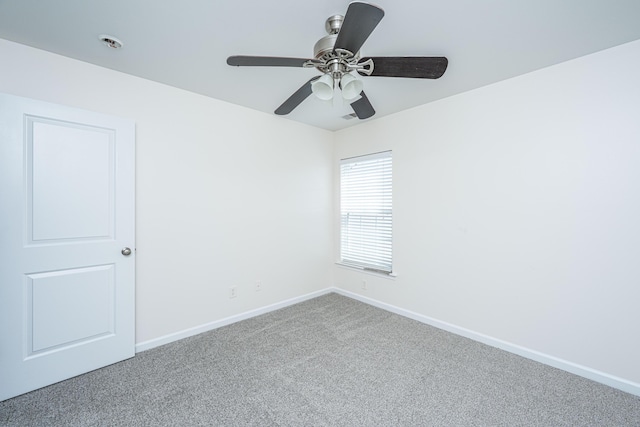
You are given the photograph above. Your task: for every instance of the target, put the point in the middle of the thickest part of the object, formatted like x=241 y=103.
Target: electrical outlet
x=233 y=292
x=364 y=285
x=258 y=285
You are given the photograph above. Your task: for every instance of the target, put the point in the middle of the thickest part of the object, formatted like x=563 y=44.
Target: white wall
x=516 y=211
x=515 y=205
x=225 y=195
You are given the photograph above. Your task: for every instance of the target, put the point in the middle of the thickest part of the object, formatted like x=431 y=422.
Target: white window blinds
x=366 y=212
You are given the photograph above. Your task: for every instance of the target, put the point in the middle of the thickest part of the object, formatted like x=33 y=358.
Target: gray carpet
x=330 y=361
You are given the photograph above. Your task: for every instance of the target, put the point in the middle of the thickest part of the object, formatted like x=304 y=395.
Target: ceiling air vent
x=110 y=41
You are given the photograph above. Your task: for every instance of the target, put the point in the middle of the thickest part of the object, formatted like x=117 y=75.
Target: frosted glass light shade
x=323 y=87
x=351 y=87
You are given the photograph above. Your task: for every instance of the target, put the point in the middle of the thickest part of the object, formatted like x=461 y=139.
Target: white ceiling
x=185 y=43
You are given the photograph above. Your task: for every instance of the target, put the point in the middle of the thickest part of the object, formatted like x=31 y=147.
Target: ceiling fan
x=337 y=56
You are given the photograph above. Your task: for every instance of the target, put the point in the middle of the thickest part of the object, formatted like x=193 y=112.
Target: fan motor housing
x=335 y=61
x=324 y=47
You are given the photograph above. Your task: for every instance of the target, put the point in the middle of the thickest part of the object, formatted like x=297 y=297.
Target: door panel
x=67 y=210
x=50 y=323
x=60 y=156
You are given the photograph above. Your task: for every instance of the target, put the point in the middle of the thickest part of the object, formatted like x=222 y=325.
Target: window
x=365 y=212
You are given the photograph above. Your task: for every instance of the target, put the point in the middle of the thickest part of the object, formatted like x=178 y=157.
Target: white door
x=66 y=214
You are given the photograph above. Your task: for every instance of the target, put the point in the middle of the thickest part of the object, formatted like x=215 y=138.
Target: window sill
x=391 y=275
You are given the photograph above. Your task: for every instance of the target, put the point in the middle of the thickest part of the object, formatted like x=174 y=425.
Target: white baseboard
x=583 y=371
x=166 y=339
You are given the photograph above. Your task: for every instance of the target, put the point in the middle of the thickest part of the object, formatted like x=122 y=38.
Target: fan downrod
x=333 y=24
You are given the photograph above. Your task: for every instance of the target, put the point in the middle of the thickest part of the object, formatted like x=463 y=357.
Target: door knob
x=126 y=251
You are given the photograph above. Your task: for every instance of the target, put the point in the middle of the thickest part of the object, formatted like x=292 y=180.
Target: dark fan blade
x=363 y=107
x=296 y=99
x=359 y=21
x=420 y=67
x=269 y=61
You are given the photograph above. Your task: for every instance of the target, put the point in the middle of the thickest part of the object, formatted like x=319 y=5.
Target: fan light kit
x=337 y=57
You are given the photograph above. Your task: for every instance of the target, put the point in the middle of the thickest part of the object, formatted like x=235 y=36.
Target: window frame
x=366 y=212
